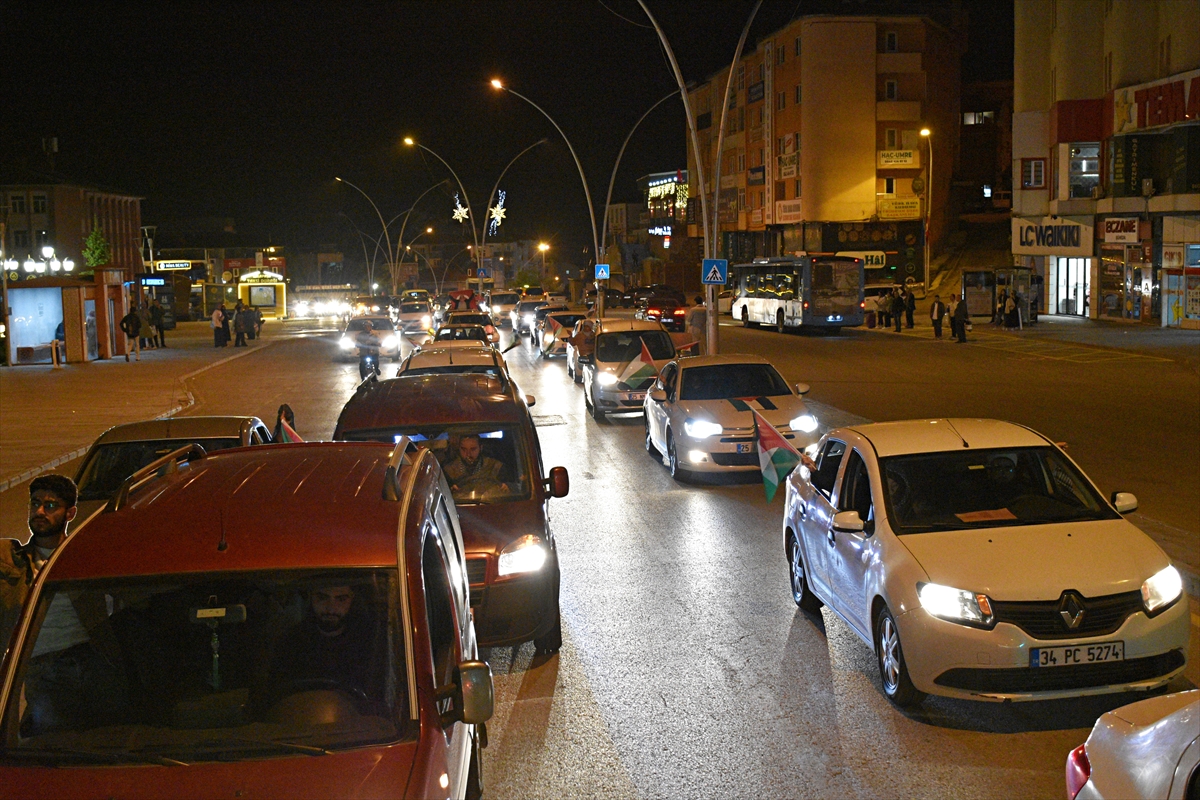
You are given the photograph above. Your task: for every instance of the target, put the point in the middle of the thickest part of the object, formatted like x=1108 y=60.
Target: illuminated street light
x=928 y=135
x=391 y=256
x=408 y=140
x=29 y=265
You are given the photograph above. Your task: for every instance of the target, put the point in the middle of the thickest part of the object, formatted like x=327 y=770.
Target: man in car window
x=472 y=472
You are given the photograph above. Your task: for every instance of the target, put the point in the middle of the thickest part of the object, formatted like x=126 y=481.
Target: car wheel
x=552 y=641
x=893 y=671
x=745 y=317
x=673 y=460
x=475 y=771
x=779 y=320
x=650 y=448
x=597 y=414
x=578 y=375
x=800 y=591
x=570 y=370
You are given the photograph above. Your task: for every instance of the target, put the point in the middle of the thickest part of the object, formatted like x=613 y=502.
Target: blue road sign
x=715 y=270
x=602 y=272
x=483 y=273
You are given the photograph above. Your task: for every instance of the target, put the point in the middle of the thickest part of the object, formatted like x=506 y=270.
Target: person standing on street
x=695 y=321
x=910 y=307
x=131 y=326
x=156 y=319
x=219 y=326
x=897 y=308
x=961 y=317
x=146 y=334
x=241 y=321
x=937 y=312
x=883 y=309
x=950 y=309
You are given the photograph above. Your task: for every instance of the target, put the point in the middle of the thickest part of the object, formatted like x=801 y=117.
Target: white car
x=625 y=359
x=499 y=305
x=725 y=301
x=414 y=316
x=979 y=562
x=391 y=345
x=442 y=358
x=474 y=318
x=700 y=413
x=1147 y=749
x=555 y=329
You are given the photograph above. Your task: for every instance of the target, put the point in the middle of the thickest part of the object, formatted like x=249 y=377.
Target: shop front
x=1180 y=274
x=77 y=314
x=1059 y=253
x=264 y=291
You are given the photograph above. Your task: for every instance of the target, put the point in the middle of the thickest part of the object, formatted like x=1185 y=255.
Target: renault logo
x=1070 y=608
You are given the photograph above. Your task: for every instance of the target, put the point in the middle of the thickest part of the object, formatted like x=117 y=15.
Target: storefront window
x=1069 y=286
x=36 y=314
x=1112 y=284
x=1084 y=168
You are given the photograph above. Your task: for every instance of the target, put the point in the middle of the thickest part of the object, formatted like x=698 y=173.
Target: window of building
x=39 y=204
x=741 y=77
x=760 y=115
x=797 y=100
x=1033 y=173
x=890 y=90
x=741 y=199
x=761 y=71
x=741 y=161
x=780 y=55
x=20 y=239
x=741 y=118
x=889 y=186
x=731 y=126
x=892 y=138
x=762 y=156
x=760 y=200
x=16 y=203
x=781 y=100
x=797 y=48
x=1084 y=173
x=43 y=238
x=797 y=187
x=889 y=39
x=978 y=117
x=781 y=190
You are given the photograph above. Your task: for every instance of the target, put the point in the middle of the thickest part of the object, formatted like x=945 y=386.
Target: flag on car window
x=776 y=455
x=555 y=325
x=287 y=434
x=640 y=368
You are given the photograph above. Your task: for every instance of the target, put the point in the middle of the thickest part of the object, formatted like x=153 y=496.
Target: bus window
x=751 y=287
x=768 y=286
x=785 y=287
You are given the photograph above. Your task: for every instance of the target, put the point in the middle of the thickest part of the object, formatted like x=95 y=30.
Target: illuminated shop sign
x=1152 y=105
x=660 y=230
x=1051 y=236
x=1121 y=230
x=167 y=266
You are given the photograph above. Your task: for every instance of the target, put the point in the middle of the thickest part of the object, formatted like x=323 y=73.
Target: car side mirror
x=474 y=696
x=1124 y=502
x=530 y=400
x=802 y=388
x=847 y=522
x=658 y=395
x=559 y=483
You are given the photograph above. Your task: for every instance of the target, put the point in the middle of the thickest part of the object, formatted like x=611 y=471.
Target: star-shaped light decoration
x=498 y=214
x=460 y=213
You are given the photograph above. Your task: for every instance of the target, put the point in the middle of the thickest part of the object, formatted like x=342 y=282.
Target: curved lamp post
x=408 y=140
x=391 y=257
x=483 y=240
x=928 y=136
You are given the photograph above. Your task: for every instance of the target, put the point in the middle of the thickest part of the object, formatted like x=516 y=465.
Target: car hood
x=1039 y=562
x=490 y=528
x=736 y=413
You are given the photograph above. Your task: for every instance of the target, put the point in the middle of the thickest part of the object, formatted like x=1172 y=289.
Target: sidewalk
x=49 y=416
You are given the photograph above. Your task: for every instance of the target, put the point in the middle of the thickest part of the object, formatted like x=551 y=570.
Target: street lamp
x=408 y=140
x=391 y=258
x=543 y=247
x=928 y=136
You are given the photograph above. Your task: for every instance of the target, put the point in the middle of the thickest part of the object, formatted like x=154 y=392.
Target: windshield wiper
x=291 y=747
x=112 y=757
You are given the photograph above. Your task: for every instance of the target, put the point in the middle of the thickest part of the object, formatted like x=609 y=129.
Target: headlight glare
x=524 y=555
x=805 y=422
x=346 y=343
x=606 y=379
x=388 y=342
x=955 y=605
x=426 y=321
x=548 y=338
x=701 y=428
x=1162 y=589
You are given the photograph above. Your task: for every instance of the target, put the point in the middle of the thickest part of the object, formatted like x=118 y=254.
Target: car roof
x=617 y=324
x=277 y=506
x=936 y=435
x=418 y=400
x=178 y=428
x=726 y=358
x=468 y=354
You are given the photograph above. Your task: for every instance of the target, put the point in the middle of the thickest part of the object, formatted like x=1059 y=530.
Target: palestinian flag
x=639 y=369
x=287 y=434
x=555 y=325
x=776 y=455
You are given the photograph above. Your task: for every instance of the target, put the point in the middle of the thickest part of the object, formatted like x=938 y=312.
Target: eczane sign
x=1052 y=236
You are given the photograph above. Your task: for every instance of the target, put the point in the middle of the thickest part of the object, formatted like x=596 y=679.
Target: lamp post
x=543 y=247
x=408 y=140
x=483 y=239
x=928 y=136
x=583 y=179
x=391 y=258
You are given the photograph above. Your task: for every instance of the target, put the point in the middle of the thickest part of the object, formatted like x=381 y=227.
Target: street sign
x=483 y=273
x=602 y=272
x=715 y=270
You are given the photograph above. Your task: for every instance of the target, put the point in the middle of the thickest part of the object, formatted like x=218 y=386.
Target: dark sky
x=248 y=110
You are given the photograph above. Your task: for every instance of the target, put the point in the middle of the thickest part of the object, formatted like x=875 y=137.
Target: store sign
x=1123 y=230
x=757 y=176
x=1152 y=105
x=872 y=259
x=900 y=208
x=660 y=230
x=898 y=158
x=1172 y=256
x=789 y=165
x=260 y=276
x=153 y=281
x=788 y=211
x=1051 y=236
x=754 y=92
x=169 y=266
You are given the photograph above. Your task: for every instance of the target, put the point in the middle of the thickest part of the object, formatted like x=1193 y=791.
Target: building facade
x=1106 y=157
x=822 y=147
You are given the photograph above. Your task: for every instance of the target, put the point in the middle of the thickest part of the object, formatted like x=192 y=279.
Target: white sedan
x=1146 y=749
x=700 y=413
x=979 y=562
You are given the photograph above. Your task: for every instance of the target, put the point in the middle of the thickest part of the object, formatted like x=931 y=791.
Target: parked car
x=485 y=439
x=248 y=611
x=390 y=345
x=124 y=449
x=725 y=301
x=625 y=360
x=979 y=562
x=665 y=309
x=1148 y=749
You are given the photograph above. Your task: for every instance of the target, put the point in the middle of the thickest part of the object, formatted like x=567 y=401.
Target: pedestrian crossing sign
x=715 y=270
x=602 y=272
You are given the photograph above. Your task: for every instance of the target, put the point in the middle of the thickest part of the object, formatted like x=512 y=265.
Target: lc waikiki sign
x=1052 y=236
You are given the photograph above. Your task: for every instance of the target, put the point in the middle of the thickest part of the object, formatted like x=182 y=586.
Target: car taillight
x=1079 y=769
x=862 y=304
x=653 y=311
x=806 y=304
x=679 y=312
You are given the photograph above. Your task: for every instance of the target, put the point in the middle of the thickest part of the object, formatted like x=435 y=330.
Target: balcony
x=897 y=62
x=898 y=111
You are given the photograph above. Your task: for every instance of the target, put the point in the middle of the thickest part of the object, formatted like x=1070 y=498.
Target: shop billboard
x=1052 y=236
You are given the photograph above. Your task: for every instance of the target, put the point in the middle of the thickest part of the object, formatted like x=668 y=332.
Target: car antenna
x=956 y=433
x=222 y=545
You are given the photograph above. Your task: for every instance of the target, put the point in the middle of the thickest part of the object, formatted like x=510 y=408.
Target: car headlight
x=388 y=342
x=375 y=308
x=805 y=422
x=346 y=343
x=955 y=605
x=426 y=321
x=1162 y=589
x=701 y=428
x=606 y=379
x=526 y=554
x=529 y=319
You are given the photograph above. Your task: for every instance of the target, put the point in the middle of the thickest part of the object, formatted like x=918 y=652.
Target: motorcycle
x=368 y=363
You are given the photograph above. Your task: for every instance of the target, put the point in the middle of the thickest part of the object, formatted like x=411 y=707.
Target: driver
x=367 y=340
x=472 y=472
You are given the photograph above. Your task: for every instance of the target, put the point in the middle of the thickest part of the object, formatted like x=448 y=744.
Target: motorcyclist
x=368 y=350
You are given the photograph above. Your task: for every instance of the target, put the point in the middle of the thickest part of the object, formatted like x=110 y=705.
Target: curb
x=29 y=474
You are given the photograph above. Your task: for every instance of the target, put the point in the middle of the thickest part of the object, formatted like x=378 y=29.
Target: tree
x=527 y=277
x=96 y=250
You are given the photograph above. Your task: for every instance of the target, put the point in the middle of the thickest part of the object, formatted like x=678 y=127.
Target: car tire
x=590 y=407
x=551 y=642
x=475 y=771
x=801 y=592
x=745 y=317
x=650 y=448
x=677 y=472
x=570 y=370
x=893 y=671
x=779 y=321
x=578 y=375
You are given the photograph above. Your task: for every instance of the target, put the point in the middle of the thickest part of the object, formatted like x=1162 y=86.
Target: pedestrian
x=146 y=334
x=218 y=325
x=241 y=321
x=1010 y=312
x=961 y=320
x=284 y=414
x=156 y=319
x=910 y=307
x=937 y=312
x=898 y=306
x=695 y=322
x=883 y=309
x=131 y=326
x=258 y=321
x=998 y=314
x=226 y=318
x=950 y=309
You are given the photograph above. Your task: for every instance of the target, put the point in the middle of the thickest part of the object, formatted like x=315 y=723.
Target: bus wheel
x=745 y=317
x=779 y=320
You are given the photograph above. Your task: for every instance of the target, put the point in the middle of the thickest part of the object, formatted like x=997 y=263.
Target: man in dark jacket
x=937 y=312
x=131 y=326
x=156 y=320
x=961 y=317
x=897 y=308
x=910 y=306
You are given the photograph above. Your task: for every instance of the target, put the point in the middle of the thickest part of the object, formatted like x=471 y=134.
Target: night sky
x=248 y=110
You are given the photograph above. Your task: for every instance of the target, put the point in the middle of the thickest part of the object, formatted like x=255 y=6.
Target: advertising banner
x=900 y=208
x=1052 y=236
x=898 y=158
x=1123 y=230
x=788 y=211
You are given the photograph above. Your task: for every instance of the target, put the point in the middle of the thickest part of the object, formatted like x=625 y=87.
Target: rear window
x=457 y=333
x=504 y=299
x=414 y=308
x=470 y=319
x=723 y=381
x=215 y=667
x=624 y=346
x=110 y=464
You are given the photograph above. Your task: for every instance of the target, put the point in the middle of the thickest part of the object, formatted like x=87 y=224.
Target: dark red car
x=670 y=312
x=188 y=642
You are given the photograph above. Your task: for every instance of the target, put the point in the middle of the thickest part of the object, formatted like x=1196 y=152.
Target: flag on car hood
x=639 y=368
x=776 y=455
x=287 y=434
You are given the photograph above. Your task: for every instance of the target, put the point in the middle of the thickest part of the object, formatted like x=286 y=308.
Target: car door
x=668 y=381
x=817 y=516
x=850 y=552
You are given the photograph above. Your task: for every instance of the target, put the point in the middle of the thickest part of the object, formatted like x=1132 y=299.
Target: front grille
x=1041 y=620
x=735 y=459
x=1057 y=679
x=744 y=439
x=476 y=570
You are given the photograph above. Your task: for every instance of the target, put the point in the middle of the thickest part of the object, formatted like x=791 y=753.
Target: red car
x=670 y=312
x=229 y=617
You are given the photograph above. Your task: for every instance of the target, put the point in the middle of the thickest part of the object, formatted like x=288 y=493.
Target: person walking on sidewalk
x=961 y=317
x=156 y=319
x=910 y=307
x=897 y=308
x=241 y=322
x=131 y=326
x=146 y=334
x=220 y=326
x=937 y=312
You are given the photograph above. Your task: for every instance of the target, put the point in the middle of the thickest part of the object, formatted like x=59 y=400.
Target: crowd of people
x=245 y=321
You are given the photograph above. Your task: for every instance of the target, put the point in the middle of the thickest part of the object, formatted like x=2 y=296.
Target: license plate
x=745 y=447
x=638 y=396
x=1077 y=654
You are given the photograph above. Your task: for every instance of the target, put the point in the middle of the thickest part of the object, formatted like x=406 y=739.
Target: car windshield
x=414 y=308
x=528 y=306
x=624 y=346
x=987 y=488
x=209 y=667
x=110 y=464
x=457 y=369
x=471 y=319
x=455 y=333
x=377 y=323
x=723 y=381
x=504 y=299
x=484 y=463
x=544 y=310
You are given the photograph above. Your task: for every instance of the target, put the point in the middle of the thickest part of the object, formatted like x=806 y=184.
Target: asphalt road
x=686 y=668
